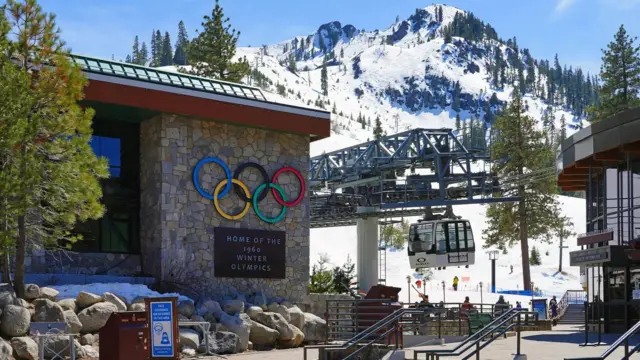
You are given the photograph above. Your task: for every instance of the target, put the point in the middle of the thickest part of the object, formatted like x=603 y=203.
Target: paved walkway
x=558 y=344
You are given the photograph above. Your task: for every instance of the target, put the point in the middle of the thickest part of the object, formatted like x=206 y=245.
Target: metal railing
x=624 y=339
x=570 y=297
x=493 y=330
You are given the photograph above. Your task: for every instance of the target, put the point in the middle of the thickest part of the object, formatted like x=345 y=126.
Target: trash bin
x=125 y=336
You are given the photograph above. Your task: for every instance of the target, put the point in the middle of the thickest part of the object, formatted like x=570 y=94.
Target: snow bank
x=128 y=291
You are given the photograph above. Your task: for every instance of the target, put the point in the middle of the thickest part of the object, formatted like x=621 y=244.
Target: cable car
x=441 y=243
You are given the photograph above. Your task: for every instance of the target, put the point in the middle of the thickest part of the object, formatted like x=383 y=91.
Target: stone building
x=155 y=127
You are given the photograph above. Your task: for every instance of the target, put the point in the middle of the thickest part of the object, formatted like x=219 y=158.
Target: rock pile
x=236 y=325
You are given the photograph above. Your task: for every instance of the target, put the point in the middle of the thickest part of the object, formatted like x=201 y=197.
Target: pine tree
x=182 y=42
x=377 y=129
x=343 y=276
x=154 y=49
x=50 y=177
x=321 y=280
x=341 y=53
x=128 y=59
x=335 y=109
x=211 y=52
x=167 y=51
x=563 y=128
x=144 y=54
x=620 y=74
x=292 y=63
x=159 y=48
x=135 y=54
x=324 y=82
x=534 y=260
x=533 y=216
x=457 y=121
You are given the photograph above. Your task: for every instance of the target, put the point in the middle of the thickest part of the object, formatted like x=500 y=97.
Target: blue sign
x=540 y=306
x=162 y=344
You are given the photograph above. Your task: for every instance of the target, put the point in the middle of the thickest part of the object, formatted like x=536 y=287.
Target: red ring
x=276 y=195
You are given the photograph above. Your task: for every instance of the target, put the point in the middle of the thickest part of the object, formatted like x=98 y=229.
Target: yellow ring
x=216 y=203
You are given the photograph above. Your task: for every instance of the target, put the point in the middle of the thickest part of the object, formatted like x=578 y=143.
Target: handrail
x=489 y=330
x=622 y=339
x=479 y=334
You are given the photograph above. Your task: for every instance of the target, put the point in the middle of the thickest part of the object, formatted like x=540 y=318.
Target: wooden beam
x=570 y=188
x=575 y=172
x=632 y=147
x=610 y=155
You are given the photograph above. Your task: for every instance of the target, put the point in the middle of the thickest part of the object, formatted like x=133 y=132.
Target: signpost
x=249 y=253
x=590 y=256
x=163 y=327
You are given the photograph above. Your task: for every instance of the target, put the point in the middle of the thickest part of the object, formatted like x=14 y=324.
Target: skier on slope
x=455 y=283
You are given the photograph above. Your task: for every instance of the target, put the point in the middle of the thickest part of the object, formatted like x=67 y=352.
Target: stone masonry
x=177 y=222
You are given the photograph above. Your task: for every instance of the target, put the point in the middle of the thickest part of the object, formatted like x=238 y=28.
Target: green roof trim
x=152 y=75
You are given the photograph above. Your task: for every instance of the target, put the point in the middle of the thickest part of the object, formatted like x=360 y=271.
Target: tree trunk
x=524 y=243
x=6 y=268
x=21 y=244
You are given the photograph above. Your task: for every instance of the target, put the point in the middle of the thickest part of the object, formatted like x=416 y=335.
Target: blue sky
x=575 y=29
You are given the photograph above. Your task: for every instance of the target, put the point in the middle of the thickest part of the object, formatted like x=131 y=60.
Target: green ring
x=256 y=194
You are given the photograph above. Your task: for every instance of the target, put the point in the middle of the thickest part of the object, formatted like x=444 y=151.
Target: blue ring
x=226 y=171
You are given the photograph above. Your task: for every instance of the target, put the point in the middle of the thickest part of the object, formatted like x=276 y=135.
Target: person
x=518 y=305
x=501 y=306
x=501 y=301
x=455 y=283
x=553 y=304
x=511 y=270
x=465 y=308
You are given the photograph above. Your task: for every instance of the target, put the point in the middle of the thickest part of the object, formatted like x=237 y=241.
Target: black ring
x=265 y=177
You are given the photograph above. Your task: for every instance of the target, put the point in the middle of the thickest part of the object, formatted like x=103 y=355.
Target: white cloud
x=563 y=5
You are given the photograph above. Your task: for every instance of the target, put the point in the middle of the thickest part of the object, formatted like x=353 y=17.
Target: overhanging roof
x=138 y=87
x=605 y=144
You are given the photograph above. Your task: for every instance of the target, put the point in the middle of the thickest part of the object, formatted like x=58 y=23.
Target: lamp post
x=444 y=294
x=481 y=300
x=409 y=288
x=493 y=256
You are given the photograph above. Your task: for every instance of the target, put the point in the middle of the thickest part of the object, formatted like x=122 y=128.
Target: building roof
x=155 y=91
x=606 y=144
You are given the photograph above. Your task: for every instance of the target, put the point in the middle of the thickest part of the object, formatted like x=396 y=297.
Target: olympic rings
x=243 y=192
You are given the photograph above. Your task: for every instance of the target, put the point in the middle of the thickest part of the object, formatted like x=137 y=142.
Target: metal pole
x=561 y=239
x=586 y=322
x=493 y=276
x=518 y=341
x=409 y=289
x=481 y=300
x=444 y=294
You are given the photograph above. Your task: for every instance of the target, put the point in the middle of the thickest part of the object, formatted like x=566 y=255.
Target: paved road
x=562 y=342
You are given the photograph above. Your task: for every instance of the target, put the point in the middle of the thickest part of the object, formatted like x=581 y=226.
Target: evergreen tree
x=563 y=128
x=343 y=276
x=457 y=121
x=620 y=74
x=144 y=54
x=324 y=81
x=180 y=57
x=128 y=59
x=341 y=53
x=159 y=48
x=377 y=129
x=440 y=17
x=321 y=280
x=135 y=54
x=534 y=260
x=522 y=143
x=292 y=63
x=211 y=52
x=50 y=177
x=167 y=51
x=154 y=49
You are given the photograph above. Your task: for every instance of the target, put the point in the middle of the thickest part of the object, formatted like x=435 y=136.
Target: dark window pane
x=110 y=148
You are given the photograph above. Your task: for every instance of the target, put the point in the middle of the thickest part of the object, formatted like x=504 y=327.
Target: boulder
x=7 y=295
x=5 y=349
x=297 y=317
x=182 y=318
x=85 y=299
x=209 y=307
x=220 y=342
x=15 y=321
x=261 y=335
x=189 y=338
x=49 y=293
x=295 y=341
x=137 y=307
x=95 y=316
x=232 y=307
x=90 y=352
x=254 y=311
x=277 y=322
x=74 y=326
x=280 y=309
x=60 y=344
x=48 y=311
x=315 y=328
x=31 y=292
x=115 y=300
x=186 y=308
x=87 y=339
x=239 y=325
x=24 y=303
x=25 y=348
x=287 y=304
x=68 y=304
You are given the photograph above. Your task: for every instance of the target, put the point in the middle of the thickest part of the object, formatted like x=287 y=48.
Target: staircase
x=574 y=315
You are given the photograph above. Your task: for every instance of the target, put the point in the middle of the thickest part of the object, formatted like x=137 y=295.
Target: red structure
x=369 y=313
x=125 y=337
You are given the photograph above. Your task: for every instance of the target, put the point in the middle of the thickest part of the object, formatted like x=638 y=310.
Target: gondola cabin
x=441 y=243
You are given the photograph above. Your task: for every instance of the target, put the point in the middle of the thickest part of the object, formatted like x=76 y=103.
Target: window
x=421 y=237
x=109 y=148
x=441 y=238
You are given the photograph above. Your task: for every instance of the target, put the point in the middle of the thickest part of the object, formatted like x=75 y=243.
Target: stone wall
x=177 y=222
x=68 y=262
